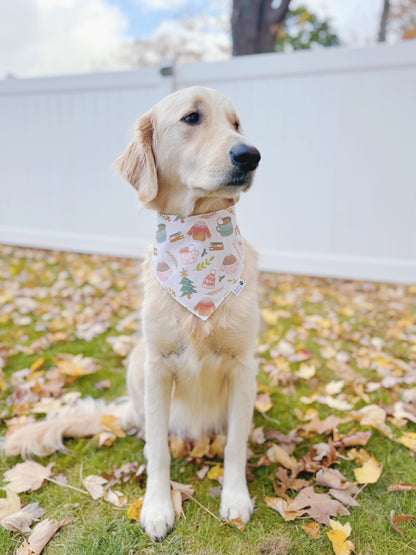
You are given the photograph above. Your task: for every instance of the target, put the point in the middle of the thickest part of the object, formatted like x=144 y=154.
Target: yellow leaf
x=237 y=522
x=201 y=447
x=218 y=446
x=215 y=472
x=409 y=440
x=277 y=454
x=339 y=543
x=263 y=403
x=335 y=525
x=133 y=512
x=312 y=529
x=270 y=316
x=177 y=447
x=37 y=364
x=108 y=424
x=369 y=473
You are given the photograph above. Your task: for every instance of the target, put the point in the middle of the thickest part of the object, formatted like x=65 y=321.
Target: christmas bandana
x=199 y=259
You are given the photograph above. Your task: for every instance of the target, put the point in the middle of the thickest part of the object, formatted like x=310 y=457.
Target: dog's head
x=187 y=147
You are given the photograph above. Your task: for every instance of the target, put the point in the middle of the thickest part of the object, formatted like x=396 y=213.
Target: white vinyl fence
x=335 y=193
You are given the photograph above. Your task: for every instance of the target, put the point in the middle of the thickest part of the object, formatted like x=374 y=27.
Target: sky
x=49 y=37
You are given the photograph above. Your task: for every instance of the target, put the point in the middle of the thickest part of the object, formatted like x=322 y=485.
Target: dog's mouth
x=240 y=179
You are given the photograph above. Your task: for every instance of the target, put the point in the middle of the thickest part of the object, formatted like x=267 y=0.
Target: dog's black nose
x=245 y=157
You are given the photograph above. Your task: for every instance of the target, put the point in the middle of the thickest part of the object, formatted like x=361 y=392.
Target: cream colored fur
x=187 y=377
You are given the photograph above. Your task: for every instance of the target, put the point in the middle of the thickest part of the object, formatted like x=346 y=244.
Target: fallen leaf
x=37 y=364
x=115 y=497
x=21 y=520
x=10 y=504
x=400 y=518
x=202 y=472
x=75 y=365
x=103 y=384
x=369 y=473
x=277 y=454
x=40 y=536
x=177 y=447
x=340 y=544
x=402 y=486
x=217 y=446
x=94 y=485
x=306 y=371
x=215 y=472
x=108 y=423
x=282 y=507
x=201 y=447
x=27 y=476
x=179 y=492
x=318 y=506
x=263 y=403
x=312 y=529
x=133 y=512
x=237 y=523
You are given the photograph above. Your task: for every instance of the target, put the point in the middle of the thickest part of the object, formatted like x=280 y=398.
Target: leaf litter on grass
x=343 y=352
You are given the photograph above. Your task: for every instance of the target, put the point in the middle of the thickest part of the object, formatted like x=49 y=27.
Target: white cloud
x=162 y=4
x=44 y=37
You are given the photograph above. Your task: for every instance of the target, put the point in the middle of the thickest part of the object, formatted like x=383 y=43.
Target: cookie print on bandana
x=198 y=259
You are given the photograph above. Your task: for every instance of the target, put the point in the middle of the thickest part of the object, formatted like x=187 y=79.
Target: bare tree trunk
x=383 y=21
x=255 y=25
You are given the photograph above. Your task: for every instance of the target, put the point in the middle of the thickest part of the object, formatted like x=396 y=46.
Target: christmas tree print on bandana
x=198 y=259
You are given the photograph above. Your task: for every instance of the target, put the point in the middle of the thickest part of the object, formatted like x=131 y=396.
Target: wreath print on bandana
x=198 y=259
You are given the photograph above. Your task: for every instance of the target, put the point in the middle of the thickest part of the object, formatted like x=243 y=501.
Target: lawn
x=336 y=391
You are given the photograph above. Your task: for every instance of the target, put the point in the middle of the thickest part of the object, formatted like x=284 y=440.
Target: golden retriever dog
x=189 y=375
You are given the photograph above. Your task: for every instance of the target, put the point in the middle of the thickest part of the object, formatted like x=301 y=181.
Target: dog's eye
x=192 y=119
x=236 y=126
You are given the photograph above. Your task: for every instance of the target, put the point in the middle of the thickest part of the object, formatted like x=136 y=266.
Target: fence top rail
x=324 y=61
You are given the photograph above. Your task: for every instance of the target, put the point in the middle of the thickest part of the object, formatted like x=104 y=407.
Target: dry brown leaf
x=10 y=504
x=115 y=497
x=202 y=472
x=400 y=518
x=322 y=426
x=353 y=440
x=282 y=507
x=318 y=506
x=237 y=523
x=257 y=436
x=108 y=423
x=40 y=536
x=402 y=486
x=27 y=476
x=312 y=529
x=21 y=520
x=277 y=454
x=369 y=473
x=94 y=485
x=179 y=492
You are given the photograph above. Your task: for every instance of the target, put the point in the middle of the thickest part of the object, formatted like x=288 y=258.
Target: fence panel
x=335 y=192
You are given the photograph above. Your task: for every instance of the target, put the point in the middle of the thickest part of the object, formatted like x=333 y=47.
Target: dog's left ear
x=137 y=164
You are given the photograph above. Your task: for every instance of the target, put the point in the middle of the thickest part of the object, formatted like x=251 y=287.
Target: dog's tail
x=81 y=420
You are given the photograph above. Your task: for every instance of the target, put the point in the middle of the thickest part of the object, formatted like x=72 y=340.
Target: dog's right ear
x=137 y=163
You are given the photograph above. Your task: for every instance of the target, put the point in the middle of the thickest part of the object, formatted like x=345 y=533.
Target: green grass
x=99 y=527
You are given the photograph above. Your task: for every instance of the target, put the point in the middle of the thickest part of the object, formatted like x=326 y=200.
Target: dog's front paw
x=236 y=505
x=157 y=518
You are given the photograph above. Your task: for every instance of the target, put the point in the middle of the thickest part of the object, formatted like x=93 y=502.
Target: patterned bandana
x=199 y=259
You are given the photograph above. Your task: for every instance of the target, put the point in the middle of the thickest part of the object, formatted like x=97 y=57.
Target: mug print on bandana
x=199 y=259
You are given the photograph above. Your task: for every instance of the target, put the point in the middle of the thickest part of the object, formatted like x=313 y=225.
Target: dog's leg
x=157 y=516
x=235 y=499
